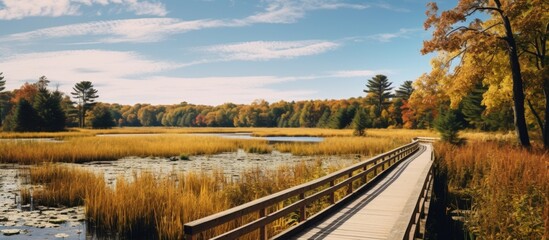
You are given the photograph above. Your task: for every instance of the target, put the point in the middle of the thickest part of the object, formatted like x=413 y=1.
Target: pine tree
x=360 y=121
x=2 y=87
x=86 y=95
x=379 y=88
x=24 y=118
x=405 y=90
x=448 y=125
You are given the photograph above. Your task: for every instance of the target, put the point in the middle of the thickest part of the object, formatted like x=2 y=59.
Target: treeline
x=36 y=108
x=380 y=108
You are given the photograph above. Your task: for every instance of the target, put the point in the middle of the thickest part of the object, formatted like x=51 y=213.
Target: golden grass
x=55 y=135
x=344 y=145
x=509 y=187
x=108 y=148
x=97 y=148
x=159 y=207
x=61 y=185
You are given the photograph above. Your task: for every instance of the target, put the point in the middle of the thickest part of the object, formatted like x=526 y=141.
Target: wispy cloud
x=390 y=7
x=289 y=11
x=18 y=9
x=354 y=73
x=387 y=37
x=129 y=78
x=157 y=29
x=264 y=50
x=128 y=30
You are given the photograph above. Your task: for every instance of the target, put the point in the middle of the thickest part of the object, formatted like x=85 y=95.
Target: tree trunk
x=518 y=91
x=545 y=129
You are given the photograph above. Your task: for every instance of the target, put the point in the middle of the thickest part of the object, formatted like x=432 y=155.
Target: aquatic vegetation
x=158 y=207
x=508 y=187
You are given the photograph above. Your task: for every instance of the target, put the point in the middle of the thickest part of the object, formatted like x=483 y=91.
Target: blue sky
x=212 y=51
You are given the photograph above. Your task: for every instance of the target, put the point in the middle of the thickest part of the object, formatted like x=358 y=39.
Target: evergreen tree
x=379 y=88
x=472 y=108
x=86 y=95
x=2 y=87
x=448 y=125
x=360 y=121
x=405 y=90
x=23 y=118
x=100 y=117
x=324 y=120
x=2 y=82
x=48 y=108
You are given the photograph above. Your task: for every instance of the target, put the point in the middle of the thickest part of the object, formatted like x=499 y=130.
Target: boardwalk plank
x=374 y=214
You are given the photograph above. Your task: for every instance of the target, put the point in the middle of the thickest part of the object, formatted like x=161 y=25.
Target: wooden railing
x=306 y=193
x=416 y=226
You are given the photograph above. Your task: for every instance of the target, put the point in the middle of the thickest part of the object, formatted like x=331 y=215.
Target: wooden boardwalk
x=384 y=211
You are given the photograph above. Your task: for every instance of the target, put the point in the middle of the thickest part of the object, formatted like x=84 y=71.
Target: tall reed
x=84 y=149
x=509 y=187
x=159 y=207
x=344 y=145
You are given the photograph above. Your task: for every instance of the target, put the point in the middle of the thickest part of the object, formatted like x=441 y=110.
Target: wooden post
x=302 y=213
x=350 y=187
x=262 y=229
x=332 y=195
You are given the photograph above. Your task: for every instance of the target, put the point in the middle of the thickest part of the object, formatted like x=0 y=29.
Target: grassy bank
x=508 y=187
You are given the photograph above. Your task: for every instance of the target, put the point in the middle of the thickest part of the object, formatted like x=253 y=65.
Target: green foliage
x=475 y=113
x=360 y=121
x=448 y=125
x=405 y=90
x=85 y=95
x=48 y=108
x=2 y=87
x=23 y=119
x=100 y=117
x=379 y=89
x=2 y=82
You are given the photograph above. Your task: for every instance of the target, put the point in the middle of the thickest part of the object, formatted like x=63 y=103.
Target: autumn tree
x=85 y=95
x=507 y=21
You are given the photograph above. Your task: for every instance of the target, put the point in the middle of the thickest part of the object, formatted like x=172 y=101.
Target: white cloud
x=157 y=29
x=263 y=50
x=390 y=7
x=387 y=37
x=289 y=11
x=354 y=73
x=18 y=9
x=129 y=78
x=129 y=30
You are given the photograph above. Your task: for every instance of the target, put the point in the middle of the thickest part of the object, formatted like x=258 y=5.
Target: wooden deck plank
x=375 y=213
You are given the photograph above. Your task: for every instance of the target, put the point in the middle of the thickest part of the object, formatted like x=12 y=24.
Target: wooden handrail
x=194 y=228
x=420 y=212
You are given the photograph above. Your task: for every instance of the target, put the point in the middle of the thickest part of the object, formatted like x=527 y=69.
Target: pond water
x=41 y=223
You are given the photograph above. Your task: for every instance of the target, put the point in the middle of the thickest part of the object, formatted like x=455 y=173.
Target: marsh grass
x=508 y=185
x=60 y=185
x=94 y=148
x=344 y=145
x=158 y=207
x=84 y=149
